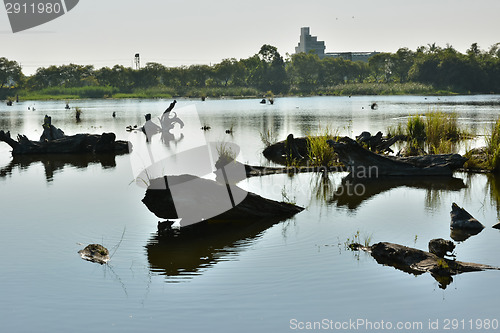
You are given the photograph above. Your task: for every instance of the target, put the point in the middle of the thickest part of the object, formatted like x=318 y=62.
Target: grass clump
x=269 y=137
x=436 y=131
x=415 y=128
x=320 y=152
x=78 y=113
x=493 y=147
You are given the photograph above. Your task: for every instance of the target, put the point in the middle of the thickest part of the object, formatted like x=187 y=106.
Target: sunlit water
x=238 y=282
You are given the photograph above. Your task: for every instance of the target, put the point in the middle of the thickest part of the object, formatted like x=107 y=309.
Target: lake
x=279 y=278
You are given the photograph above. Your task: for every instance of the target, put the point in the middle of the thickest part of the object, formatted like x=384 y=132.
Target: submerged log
x=281 y=151
x=441 y=247
x=95 y=253
x=461 y=219
x=366 y=164
x=53 y=141
x=417 y=262
x=50 y=132
x=79 y=143
x=377 y=143
x=196 y=199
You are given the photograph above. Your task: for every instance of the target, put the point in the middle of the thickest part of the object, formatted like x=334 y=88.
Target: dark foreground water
x=276 y=278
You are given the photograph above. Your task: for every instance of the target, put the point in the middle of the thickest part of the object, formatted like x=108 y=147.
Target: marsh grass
x=319 y=151
x=226 y=154
x=415 y=128
x=269 y=137
x=347 y=89
x=286 y=197
x=78 y=113
x=436 y=131
x=493 y=146
x=353 y=243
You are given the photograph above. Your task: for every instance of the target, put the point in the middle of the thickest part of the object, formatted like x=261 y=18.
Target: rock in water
x=461 y=219
x=441 y=247
x=95 y=253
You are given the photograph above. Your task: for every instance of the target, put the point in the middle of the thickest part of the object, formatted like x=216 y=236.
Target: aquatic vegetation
x=493 y=146
x=319 y=151
x=78 y=113
x=486 y=158
x=415 y=128
x=269 y=137
x=226 y=153
x=286 y=197
x=353 y=243
x=436 y=131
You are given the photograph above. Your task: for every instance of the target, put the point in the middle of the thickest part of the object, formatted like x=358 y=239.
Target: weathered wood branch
x=366 y=164
x=417 y=262
x=202 y=200
x=79 y=143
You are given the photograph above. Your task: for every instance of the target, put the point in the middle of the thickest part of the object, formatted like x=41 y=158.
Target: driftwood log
x=366 y=164
x=417 y=262
x=463 y=225
x=53 y=141
x=377 y=143
x=74 y=144
x=280 y=152
x=204 y=200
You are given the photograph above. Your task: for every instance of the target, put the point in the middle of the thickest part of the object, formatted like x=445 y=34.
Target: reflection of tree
x=52 y=163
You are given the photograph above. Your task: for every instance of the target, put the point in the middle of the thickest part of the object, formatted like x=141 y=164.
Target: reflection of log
x=206 y=199
x=366 y=164
x=79 y=143
x=186 y=251
x=417 y=262
x=352 y=192
x=55 y=162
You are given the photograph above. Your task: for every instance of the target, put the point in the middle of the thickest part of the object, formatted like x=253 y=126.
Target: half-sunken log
x=366 y=164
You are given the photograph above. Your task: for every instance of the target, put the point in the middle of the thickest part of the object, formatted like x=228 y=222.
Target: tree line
x=476 y=71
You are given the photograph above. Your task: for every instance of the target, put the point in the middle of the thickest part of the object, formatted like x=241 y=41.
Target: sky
x=185 y=32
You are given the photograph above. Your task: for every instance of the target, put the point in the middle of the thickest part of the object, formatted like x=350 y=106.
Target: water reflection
x=460 y=235
x=493 y=182
x=187 y=252
x=351 y=193
x=53 y=163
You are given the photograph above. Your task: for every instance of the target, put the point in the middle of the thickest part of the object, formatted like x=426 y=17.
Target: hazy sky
x=175 y=32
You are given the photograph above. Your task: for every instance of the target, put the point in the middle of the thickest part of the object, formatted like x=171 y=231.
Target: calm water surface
x=250 y=281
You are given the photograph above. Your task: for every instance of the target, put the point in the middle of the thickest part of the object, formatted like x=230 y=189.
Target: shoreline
x=351 y=89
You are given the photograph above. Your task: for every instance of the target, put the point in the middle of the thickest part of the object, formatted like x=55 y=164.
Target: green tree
x=305 y=71
x=271 y=73
x=10 y=73
x=401 y=63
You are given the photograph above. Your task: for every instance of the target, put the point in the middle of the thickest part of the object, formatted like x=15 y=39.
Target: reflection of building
x=310 y=43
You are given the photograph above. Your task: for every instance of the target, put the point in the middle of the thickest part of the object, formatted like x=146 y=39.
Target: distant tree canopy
x=10 y=73
x=267 y=70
